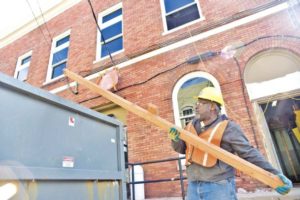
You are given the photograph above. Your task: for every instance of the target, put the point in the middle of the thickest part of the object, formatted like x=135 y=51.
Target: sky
x=16 y=13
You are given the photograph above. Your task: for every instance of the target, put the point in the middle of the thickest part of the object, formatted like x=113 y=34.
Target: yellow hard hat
x=212 y=94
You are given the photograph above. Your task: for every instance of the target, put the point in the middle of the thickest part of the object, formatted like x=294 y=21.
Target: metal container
x=51 y=148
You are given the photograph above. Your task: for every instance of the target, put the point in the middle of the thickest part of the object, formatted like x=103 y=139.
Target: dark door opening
x=283 y=119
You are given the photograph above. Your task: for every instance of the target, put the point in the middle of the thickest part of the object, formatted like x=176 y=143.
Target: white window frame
x=266 y=137
x=55 y=49
x=19 y=66
x=180 y=82
x=184 y=117
x=105 y=25
x=164 y=14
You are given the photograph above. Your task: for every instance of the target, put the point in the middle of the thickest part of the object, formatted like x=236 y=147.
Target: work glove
x=174 y=134
x=283 y=190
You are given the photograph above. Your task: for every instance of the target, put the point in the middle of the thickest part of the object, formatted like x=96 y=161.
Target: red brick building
x=152 y=43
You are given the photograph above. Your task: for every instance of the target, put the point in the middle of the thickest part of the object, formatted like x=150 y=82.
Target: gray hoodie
x=234 y=141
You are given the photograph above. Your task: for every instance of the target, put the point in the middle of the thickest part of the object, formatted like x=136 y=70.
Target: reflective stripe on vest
x=211 y=135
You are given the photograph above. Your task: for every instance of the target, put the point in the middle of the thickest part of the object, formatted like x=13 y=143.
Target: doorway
x=272 y=79
x=283 y=120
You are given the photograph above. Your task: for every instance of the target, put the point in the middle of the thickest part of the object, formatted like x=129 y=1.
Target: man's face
x=203 y=108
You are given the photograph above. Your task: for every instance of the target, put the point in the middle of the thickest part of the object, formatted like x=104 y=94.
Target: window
x=184 y=93
x=110 y=22
x=187 y=115
x=186 y=97
x=179 y=12
x=23 y=66
x=59 y=56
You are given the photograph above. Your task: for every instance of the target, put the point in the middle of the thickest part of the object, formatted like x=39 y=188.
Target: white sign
x=68 y=162
x=71 y=121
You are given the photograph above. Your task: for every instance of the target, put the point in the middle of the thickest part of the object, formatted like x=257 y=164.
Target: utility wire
x=38 y=3
x=267 y=37
x=156 y=75
x=101 y=33
x=39 y=27
x=49 y=33
x=142 y=82
x=245 y=101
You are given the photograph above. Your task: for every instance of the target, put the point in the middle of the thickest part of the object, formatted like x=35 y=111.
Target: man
x=209 y=178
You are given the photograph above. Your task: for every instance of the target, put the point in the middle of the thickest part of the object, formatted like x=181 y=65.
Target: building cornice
x=33 y=24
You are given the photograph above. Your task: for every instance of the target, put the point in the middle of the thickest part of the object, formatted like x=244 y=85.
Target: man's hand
x=174 y=134
x=283 y=190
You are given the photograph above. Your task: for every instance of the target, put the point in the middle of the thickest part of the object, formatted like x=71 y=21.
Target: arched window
x=184 y=97
x=272 y=72
x=185 y=92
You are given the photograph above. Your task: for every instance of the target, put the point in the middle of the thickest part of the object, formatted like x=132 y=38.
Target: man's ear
x=211 y=106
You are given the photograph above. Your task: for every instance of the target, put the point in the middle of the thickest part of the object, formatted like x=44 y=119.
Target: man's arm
x=179 y=146
x=238 y=142
x=234 y=137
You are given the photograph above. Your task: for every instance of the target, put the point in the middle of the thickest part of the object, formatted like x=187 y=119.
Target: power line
x=39 y=27
x=38 y=3
x=245 y=101
x=142 y=82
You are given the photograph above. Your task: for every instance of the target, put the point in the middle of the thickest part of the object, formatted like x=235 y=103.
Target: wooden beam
x=227 y=157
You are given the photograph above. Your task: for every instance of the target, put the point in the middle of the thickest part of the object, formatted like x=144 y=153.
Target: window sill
x=107 y=57
x=53 y=80
x=166 y=32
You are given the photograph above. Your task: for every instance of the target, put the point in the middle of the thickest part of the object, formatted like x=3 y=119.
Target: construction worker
x=209 y=178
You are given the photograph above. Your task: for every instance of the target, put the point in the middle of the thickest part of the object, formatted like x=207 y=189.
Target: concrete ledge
x=294 y=194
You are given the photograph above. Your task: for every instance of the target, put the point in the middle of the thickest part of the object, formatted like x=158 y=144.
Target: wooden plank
x=227 y=157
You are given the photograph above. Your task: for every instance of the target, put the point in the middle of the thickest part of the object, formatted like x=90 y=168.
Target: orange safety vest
x=212 y=135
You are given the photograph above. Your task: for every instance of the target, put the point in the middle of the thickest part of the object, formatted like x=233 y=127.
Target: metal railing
x=181 y=177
